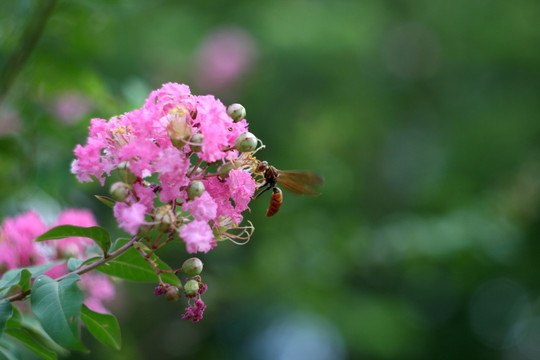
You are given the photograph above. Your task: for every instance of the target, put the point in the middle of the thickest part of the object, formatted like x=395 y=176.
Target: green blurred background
x=423 y=116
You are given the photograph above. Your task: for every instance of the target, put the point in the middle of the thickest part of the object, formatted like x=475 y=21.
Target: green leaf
x=57 y=305
x=74 y=263
x=104 y=327
x=12 y=278
x=16 y=318
x=24 y=281
x=96 y=233
x=31 y=325
x=106 y=200
x=6 y=310
x=6 y=354
x=32 y=342
x=16 y=276
x=131 y=266
x=32 y=335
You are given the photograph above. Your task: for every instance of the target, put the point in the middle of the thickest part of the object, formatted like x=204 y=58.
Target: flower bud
x=144 y=231
x=70 y=250
x=160 y=290
x=196 y=139
x=165 y=217
x=195 y=171
x=195 y=188
x=172 y=293
x=125 y=174
x=224 y=170
x=219 y=232
x=120 y=191
x=237 y=112
x=177 y=127
x=192 y=266
x=191 y=287
x=246 y=142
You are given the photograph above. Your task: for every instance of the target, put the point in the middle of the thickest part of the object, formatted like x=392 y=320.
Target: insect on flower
x=298 y=182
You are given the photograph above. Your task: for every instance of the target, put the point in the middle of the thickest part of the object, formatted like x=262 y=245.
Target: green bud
x=71 y=250
x=165 y=217
x=125 y=174
x=196 y=139
x=172 y=293
x=144 y=231
x=237 y=112
x=192 y=266
x=120 y=191
x=195 y=171
x=178 y=129
x=223 y=171
x=195 y=188
x=178 y=143
x=246 y=142
x=191 y=287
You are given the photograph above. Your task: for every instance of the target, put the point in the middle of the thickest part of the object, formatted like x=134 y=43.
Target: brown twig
x=31 y=34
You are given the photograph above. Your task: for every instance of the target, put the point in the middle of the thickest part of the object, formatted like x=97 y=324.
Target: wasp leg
x=263 y=188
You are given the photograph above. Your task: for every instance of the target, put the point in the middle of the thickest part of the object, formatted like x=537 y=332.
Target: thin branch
x=84 y=269
x=31 y=34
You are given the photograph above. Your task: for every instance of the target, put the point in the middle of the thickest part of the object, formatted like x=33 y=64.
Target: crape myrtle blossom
x=185 y=170
x=160 y=150
x=18 y=249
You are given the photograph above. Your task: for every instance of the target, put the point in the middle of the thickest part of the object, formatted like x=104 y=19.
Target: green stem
x=31 y=34
x=84 y=269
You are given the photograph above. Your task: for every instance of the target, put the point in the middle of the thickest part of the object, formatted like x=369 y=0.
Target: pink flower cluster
x=176 y=138
x=195 y=312
x=225 y=56
x=18 y=249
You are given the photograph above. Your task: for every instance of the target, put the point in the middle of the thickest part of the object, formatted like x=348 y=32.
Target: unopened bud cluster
x=193 y=289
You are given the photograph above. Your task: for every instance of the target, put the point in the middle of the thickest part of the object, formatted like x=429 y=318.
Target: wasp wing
x=300 y=182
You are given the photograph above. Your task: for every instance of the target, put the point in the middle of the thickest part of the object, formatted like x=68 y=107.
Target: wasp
x=298 y=182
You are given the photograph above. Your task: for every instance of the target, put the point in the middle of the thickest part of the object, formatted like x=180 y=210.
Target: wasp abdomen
x=275 y=202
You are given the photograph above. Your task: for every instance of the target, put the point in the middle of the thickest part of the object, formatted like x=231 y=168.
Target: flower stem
x=84 y=269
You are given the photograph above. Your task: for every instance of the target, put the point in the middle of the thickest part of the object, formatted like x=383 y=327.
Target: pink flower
x=17 y=241
x=214 y=123
x=17 y=249
x=167 y=97
x=242 y=187
x=141 y=153
x=8 y=255
x=130 y=217
x=172 y=168
x=145 y=194
x=70 y=107
x=217 y=189
x=202 y=207
x=89 y=162
x=198 y=236
x=225 y=56
x=97 y=288
x=221 y=194
x=195 y=312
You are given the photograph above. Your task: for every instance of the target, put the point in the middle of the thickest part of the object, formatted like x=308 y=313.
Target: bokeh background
x=423 y=116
